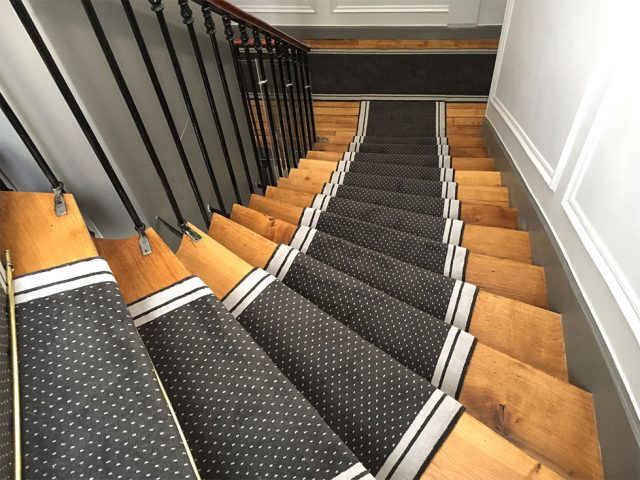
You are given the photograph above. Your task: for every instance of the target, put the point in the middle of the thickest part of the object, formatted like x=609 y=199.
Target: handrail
x=223 y=7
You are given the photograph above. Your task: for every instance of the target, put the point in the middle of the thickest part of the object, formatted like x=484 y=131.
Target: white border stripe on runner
x=420 y=439
x=3 y=276
x=64 y=286
x=449 y=190
x=446 y=174
x=60 y=274
x=330 y=189
x=455 y=233
x=281 y=261
x=458 y=263
x=177 y=303
x=450 y=382
x=337 y=178
x=183 y=287
x=459 y=309
x=321 y=202
x=443 y=150
x=247 y=290
x=302 y=238
x=452 y=208
x=445 y=161
x=343 y=166
x=354 y=471
x=310 y=217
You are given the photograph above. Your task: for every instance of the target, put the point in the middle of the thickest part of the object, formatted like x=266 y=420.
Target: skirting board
x=392 y=33
x=588 y=361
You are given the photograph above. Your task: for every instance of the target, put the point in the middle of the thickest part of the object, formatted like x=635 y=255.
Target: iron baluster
x=187 y=19
x=291 y=86
x=309 y=92
x=285 y=99
x=135 y=113
x=300 y=103
x=274 y=76
x=211 y=31
x=57 y=186
x=80 y=117
x=244 y=37
x=153 y=76
x=157 y=7
x=303 y=95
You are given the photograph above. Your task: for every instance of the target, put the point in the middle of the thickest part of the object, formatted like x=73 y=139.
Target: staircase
x=374 y=311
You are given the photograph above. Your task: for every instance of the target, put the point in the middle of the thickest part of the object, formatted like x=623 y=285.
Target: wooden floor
x=402 y=44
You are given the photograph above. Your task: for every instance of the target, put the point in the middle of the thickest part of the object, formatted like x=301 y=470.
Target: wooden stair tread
x=141 y=275
x=533 y=425
x=453 y=140
x=219 y=267
x=36 y=237
x=478 y=178
x=527 y=333
x=492 y=241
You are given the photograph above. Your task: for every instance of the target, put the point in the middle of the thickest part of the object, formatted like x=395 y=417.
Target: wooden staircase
x=523 y=420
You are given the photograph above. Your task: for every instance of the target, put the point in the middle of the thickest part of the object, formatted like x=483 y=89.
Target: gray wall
x=38 y=103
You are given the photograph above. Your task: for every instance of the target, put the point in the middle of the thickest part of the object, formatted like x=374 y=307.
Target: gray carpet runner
x=428 y=188
x=407 y=140
x=91 y=405
x=440 y=229
x=438 y=257
x=225 y=390
x=391 y=418
x=401 y=148
x=437 y=161
x=6 y=384
x=416 y=172
x=442 y=297
x=402 y=119
x=429 y=347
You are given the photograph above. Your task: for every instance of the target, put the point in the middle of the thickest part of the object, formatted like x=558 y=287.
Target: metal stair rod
x=153 y=76
x=187 y=19
x=157 y=7
x=210 y=27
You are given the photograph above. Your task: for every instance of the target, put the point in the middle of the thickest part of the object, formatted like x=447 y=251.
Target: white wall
x=377 y=12
x=565 y=103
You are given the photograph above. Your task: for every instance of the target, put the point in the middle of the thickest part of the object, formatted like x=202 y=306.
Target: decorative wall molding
x=536 y=158
x=617 y=282
x=278 y=8
x=391 y=8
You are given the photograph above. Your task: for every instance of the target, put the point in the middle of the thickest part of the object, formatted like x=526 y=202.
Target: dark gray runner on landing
x=442 y=297
x=437 y=161
x=402 y=119
x=91 y=403
x=436 y=228
x=356 y=387
x=436 y=207
x=435 y=256
x=225 y=390
x=394 y=170
x=396 y=184
x=431 y=348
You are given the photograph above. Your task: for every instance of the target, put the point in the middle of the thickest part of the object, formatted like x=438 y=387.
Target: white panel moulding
x=390 y=8
x=278 y=8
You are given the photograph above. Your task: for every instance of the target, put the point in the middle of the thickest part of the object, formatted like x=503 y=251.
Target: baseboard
x=391 y=32
x=590 y=365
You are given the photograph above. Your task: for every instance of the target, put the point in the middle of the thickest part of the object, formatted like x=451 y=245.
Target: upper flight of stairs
x=523 y=418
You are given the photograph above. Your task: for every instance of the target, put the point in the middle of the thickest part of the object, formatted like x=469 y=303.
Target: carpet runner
x=396 y=184
x=387 y=139
x=90 y=402
x=402 y=148
x=240 y=414
x=6 y=385
x=432 y=255
x=402 y=119
x=437 y=161
x=436 y=207
x=429 y=347
x=441 y=229
x=442 y=297
x=357 y=388
x=392 y=170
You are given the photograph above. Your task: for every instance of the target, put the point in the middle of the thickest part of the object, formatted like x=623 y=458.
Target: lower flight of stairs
x=523 y=418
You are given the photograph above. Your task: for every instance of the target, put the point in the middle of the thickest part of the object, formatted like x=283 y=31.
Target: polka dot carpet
x=396 y=184
x=390 y=417
x=432 y=161
x=241 y=416
x=387 y=139
x=436 y=228
x=440 y=296
x=404 y=118
x=411 y=336
x=413 y=203
x=404 y=148
x=91 y=405
x=393 y=170
x=435 y=256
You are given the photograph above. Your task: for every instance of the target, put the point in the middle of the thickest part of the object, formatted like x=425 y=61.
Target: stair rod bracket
x=143 y=240
x=186 y=230
x=59 y=204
